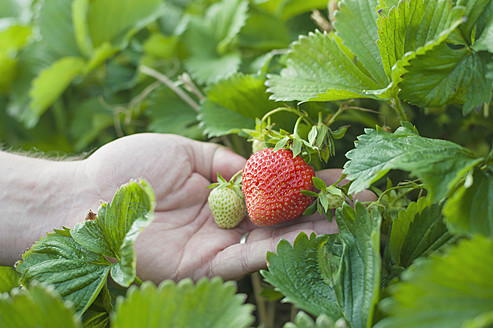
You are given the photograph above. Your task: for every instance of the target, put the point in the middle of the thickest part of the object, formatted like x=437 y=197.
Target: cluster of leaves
x=166 y=305
x=436 y=260
x=427 y=53
x=91 y=71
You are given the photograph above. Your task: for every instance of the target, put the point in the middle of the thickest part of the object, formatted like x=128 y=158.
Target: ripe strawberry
x=227 y=203
x=272 y=185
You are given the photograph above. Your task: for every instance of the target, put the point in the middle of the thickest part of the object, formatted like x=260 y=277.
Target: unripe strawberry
x=227 y=203
x=227 y=207
x=272 y=185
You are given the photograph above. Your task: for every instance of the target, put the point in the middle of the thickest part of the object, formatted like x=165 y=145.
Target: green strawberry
x=227 y=203
x=272 y=185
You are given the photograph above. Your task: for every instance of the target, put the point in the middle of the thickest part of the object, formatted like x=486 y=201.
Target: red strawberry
x=272 y=185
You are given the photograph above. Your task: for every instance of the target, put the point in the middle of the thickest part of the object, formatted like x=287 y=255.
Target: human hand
x=183 y=240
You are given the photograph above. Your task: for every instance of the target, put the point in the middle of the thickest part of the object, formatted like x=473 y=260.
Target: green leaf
x=443 y=75
x=33 y=58
x=418 y=231
x=439 y=163
x=12 y=40
x=208 y=303
x=98 y=314
x=286 y=9
x=49 y=85
x=295 y=272
x=37 y=307
x=169 y=113
x=444 y=291
x=9 y=278
x=357 y=281
x=9 y=8
x=115 y=21
x=96 y=319
x=319 y=70
x=385 y=5
x=319 y=183
x=117 y=226
x=474 y=9
x=226 y=18
x=309 y=193
x=100 y=55
x=211 y=41
x=470 y=209
x=90 y=119
x=265 y=32
x=412 y=28
x=57 y=29
x=356 y=24
x=485 y=41
x=234 y=103
x=76 y=273
x=204 y=63
x=161 y=46
x=80 y=9
x=337 y=275
x=208 y=70
x=481 y=321
x=303 y=320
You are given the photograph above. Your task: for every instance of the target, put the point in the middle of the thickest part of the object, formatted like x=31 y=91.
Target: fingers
x=241 y=259
x=226 y=162
x=209 y=158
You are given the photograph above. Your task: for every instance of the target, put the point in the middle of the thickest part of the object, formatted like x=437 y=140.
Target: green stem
x=261 y=306
x=396 y=104
x=410 y=187
x=279 y=109
x=137 y=281
x=236 y=175
x=339 y=112
x=296 y=125
x=170 y=84
x=288 y=109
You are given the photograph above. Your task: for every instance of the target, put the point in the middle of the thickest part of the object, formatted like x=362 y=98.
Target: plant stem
x=396 y=104
x=164 y=79
x=339 y=112
x=280 y=109
x=137 y=281
x=236 y=175
x=297 y=125
x=301 y=114
x=262 y=313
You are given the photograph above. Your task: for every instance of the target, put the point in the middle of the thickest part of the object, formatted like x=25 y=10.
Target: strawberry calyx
x=319 y=142
x=234 y=183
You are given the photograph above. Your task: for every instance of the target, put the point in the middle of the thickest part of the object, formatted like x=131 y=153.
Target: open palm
x=183 y=240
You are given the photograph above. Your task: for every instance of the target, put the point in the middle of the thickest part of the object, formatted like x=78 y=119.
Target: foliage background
x=75 y=77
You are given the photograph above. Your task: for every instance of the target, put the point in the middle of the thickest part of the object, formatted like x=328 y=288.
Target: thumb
x=210 y=158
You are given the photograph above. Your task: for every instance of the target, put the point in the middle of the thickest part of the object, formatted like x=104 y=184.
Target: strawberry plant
x=397 y=93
